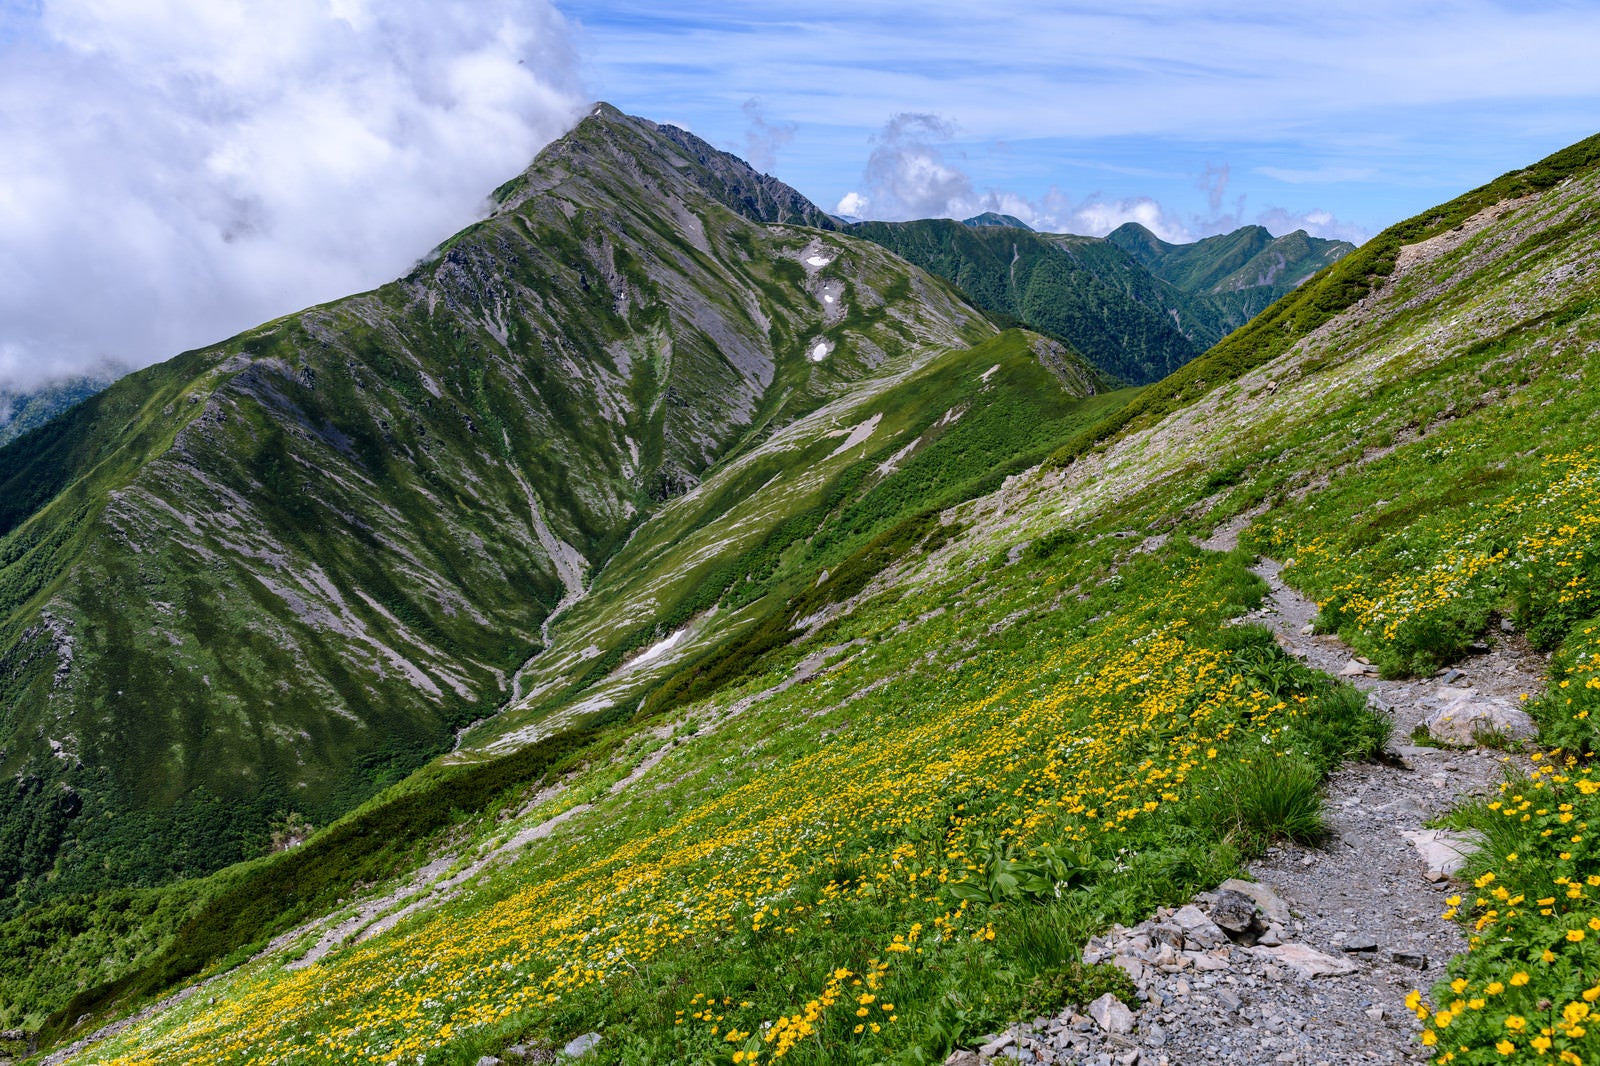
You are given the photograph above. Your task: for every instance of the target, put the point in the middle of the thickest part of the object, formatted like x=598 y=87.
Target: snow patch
x=658 y=649
x=858 y=434
x=818 y=260
x=819 y=351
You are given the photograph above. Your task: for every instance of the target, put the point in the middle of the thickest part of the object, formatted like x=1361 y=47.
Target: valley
x=697 y=634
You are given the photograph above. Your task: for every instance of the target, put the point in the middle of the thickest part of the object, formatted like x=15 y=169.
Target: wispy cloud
x=176 y=172
x=910 y=173
x=1317 y=175
x=763 y=138
x=1370 y=112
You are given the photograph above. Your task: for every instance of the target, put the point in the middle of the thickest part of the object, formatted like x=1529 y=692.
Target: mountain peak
x=651 y=156
x=994 y=218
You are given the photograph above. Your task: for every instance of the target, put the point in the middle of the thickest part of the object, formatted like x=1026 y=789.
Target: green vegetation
x=1347 y=281
x=1244 y=271
x=278 y=574
x=1025 y=712
x=1136 y=307
x=24 y=411
x=1110 y=309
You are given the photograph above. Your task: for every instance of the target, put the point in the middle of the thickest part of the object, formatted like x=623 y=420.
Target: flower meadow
x=1416 y=598
x=868 y=868
x=1414 y=561
x=1528 y=988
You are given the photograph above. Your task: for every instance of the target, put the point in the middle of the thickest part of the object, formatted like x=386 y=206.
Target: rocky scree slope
x=275 y=574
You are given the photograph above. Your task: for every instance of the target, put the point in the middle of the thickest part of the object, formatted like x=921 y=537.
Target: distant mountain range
x=1134 y=305
x=25 y=409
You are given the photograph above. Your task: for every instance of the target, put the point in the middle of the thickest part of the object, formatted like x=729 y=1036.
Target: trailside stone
x=1464 y=715
x=1443 y=851
x=1276 y=910
x=1110 y=1014
x=580 y=1045
x=963 y=1057
x=1235 y=912
x=1198 y=928
x=1306 y=961
x=995 y=1045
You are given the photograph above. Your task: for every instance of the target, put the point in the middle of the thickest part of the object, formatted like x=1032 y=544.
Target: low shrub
x=1251 y=804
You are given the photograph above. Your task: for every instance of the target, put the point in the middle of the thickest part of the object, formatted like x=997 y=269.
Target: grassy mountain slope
x=1248 y=257
x=887 y=830
x=1233 y=276
x=1136 y=306
x=270 y=577
x=1118 y=320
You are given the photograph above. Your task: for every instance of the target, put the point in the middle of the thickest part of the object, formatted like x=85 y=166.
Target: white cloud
x=178 y=170
x=1317 y=223
x=907 y=174
x=852 y=204
x=1096 y=218
x=763 y=138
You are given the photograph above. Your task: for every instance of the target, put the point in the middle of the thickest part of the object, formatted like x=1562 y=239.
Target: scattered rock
x=1443 y=851
x=963 y=1057
x=1463 y=716
x=1111 y=1015
x=1275 y=909
x=1307 y=962
x=1361 y=942
x=490 y=1060
x=1236 y=913
x=1414 y=959
x=580 y=1045
x=1198 y=929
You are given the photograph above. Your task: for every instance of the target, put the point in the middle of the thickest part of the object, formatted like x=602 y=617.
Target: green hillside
x=268 y=578
x=1119 y=321
x=1135 y=306
x=848 y=748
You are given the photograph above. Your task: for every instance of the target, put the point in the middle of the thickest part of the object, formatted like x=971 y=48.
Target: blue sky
x=175 y=171
x=1343 y=118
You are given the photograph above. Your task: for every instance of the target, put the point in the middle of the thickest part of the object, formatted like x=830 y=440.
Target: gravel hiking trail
x=1358 y=918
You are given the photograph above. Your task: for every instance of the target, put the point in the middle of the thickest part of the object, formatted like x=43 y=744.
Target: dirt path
x=1363 y=904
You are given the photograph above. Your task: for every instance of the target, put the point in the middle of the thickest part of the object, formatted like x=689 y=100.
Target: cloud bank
x=178 y=170
x=909 y=175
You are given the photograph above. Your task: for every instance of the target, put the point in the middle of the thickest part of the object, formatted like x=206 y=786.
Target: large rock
x=1236 y=914
x=1110 y=1014
x=579 y=1046
x=1464 y=715
x=1443 y=851
x=1198 y=928
x=1306 y=961
x=1275 y=909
